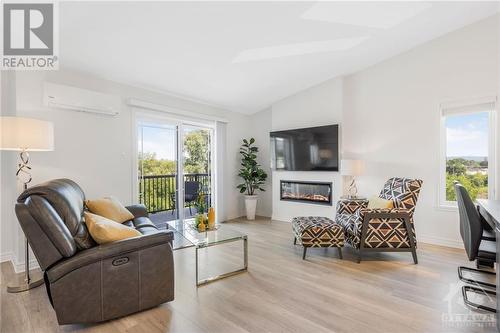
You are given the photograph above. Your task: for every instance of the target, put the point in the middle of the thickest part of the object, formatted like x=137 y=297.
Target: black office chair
x=471 y=230
x=489 y=235
x=488 y=232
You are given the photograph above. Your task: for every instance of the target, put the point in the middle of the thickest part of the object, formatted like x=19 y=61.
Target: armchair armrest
x=370 y=213
x=101 y=252
x=369 y=219
x=138 y=210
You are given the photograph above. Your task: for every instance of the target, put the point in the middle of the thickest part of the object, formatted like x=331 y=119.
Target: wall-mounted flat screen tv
x=306 y=149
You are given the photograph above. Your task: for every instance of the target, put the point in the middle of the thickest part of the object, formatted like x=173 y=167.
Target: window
x=468 y=135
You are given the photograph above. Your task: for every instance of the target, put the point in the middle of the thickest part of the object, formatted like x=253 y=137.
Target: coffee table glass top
x=191 y=237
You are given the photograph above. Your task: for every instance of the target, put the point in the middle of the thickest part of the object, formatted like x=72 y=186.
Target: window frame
x=463 y=108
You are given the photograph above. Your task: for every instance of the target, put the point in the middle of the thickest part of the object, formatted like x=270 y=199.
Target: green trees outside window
x=157 y=181
x=472 y=174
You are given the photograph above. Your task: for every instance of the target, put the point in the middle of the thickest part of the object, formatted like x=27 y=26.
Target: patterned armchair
x=382 y=230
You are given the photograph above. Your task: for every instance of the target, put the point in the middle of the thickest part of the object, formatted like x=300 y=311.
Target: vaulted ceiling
x=243 y=56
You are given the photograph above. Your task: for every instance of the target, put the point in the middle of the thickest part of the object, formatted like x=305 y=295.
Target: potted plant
x=253 y=176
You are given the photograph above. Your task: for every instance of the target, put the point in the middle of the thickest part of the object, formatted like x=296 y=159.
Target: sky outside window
x=467 y=135
x=161 y=141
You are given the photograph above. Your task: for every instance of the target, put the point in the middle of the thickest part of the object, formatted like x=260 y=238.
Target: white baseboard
x=439 y=241
x=18 y=265
x=7 y=256
x=280 y=218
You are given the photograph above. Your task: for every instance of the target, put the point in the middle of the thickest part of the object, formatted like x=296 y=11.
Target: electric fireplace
x=309 y=192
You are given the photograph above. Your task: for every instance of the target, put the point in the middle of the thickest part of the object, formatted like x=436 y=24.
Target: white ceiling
x=243 y=56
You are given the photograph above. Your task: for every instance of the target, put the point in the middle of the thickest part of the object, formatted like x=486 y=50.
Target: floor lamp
x=25 y=135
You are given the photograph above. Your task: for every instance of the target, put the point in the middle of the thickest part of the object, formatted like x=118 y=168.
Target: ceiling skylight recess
x=384 y=15
x=288 y=50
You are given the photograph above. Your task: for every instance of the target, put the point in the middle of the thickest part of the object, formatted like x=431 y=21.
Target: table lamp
x=352 y=168
x=25 y=135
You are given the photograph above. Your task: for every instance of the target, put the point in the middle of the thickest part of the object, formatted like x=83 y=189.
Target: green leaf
x=251 y=172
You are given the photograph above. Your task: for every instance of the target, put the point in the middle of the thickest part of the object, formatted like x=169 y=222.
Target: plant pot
x=250 y=206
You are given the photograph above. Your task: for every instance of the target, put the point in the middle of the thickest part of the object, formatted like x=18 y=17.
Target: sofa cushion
x=104 y=230
x=376 y=202
x=52 y=225
x=67 y=198
x=129 y=224
x=140 y=222
x=148 y=230
x=110 y=208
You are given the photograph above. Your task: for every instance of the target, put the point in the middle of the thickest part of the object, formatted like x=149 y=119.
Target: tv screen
x=306 y=149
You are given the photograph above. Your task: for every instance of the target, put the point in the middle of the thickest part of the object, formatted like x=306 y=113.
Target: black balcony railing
x=158 y=192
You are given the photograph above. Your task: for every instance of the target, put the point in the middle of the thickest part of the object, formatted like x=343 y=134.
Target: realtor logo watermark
x=459 y=316
x=30 y=36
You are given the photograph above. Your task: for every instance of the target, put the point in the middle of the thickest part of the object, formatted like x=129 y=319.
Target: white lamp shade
x=352 y=167
x=17 y=133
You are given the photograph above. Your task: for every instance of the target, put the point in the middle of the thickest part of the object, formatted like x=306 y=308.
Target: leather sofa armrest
x=109 y=250
x=138 y=210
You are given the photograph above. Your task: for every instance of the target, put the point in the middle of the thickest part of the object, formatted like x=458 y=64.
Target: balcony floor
x=161 y=218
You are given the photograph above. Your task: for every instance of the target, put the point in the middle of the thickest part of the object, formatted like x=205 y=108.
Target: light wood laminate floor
x=283 y=293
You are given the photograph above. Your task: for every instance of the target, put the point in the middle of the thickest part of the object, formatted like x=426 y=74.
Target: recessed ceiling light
x=382 y=15
x=288 y=50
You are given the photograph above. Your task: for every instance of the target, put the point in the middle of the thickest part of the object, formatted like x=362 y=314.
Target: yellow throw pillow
x=104 y=230
x=110 y=208
x=376 y=202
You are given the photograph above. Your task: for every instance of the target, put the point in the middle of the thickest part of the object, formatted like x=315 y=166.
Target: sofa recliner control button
x=120 y=261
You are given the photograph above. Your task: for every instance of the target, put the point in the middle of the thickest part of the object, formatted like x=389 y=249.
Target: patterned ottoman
x=316 y=231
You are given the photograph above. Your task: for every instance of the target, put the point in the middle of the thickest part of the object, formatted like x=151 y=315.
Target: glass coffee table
x=190 y=237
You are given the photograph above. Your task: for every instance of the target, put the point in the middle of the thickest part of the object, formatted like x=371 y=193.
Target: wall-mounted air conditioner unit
x=82 y=100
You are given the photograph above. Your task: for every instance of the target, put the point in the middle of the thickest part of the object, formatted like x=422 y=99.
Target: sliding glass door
x=174 y=167
x=157 y=167
x=196 y=167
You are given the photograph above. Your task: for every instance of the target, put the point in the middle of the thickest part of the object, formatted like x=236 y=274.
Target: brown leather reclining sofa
x=87 y=282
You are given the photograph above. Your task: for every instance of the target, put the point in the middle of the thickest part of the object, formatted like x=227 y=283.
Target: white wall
x=320 y=105
x=261 y=126
x=392 y=117
x=389 y=116
x=97 y=151
x=9 y=232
